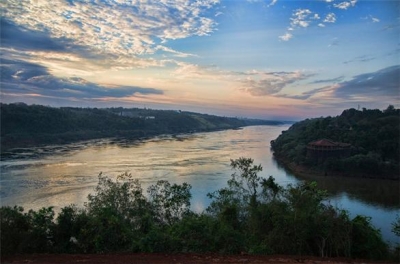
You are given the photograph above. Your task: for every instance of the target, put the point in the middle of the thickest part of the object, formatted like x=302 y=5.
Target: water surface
x=63 y=175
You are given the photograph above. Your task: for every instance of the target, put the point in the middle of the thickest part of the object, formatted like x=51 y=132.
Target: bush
x=15 y=227
x=251 y=215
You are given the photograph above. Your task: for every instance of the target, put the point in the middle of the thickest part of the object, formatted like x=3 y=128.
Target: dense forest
x=31 y=125
x=251 y=214
x=374 y=136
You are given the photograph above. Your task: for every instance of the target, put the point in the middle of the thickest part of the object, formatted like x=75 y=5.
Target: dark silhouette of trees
x=31 y=125
x=373 y=134
x=252 y=215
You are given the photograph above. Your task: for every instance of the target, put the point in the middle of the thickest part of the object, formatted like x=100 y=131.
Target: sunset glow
x=255 y=58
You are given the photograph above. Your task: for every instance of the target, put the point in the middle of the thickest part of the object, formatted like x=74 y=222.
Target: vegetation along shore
x=358 y=143
x=250 y=216
x=33 y=125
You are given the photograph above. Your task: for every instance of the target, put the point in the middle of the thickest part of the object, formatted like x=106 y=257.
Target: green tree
x=15 y=227
x=366 y=240
x=169 y=202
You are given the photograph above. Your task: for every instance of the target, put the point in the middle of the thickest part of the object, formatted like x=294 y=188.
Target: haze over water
x=62 y=175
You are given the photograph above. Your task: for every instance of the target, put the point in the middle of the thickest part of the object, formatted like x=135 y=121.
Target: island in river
x=358 y=143
x=34 y=125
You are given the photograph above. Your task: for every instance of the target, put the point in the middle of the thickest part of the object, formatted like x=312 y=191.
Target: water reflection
x=64 y=175
x=375 y=192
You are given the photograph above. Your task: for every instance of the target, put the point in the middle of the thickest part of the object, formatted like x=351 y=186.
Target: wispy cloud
x=345 y=5
x=330 y=18
x=271 y=83
x=113 y=27
x=304 y=17
x=175 y=52
x=334 y=80
x=23 y=78
x=372 y=19
x=273 y=2
x=382 y=83
x=364 y=58
x=285 y=37
x=375 y=20
x=23 y=39
x=300 y=18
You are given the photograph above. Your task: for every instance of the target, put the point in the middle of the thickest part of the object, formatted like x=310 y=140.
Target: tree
x=15 y=226
x=169 y=202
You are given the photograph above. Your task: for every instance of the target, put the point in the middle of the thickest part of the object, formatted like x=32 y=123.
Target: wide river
x=63 y=175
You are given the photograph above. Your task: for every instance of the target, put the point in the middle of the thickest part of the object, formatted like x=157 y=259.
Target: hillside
x=24 y=126
x=373 y=136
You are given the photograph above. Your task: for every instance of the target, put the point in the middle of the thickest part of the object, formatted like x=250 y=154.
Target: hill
x=370 y=136
x=32 y=125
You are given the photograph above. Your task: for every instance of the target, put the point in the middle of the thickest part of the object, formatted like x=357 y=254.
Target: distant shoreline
x=10 y=148
x=36 y=125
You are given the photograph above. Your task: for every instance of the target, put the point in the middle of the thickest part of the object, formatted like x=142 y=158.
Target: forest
x=32 y=125
x=374 y=136
x=251 y=214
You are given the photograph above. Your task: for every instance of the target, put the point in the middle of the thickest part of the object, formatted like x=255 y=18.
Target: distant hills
x=374 y=136
x=32 y=125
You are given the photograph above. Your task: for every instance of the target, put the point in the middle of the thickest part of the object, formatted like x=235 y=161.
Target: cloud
x=273 y=2
x=379 y=86
x=382 y=83
x=287 y=36
x=375 y=20
x=305 y=95
x=254 y=82
x=20 y=38
x=372 y=19
x=122 y=28
x=345 y=5
x=299 y=18
x=304 y=18
x=334 y=80
x=19 y=77
x=174 y=52
x=271 y=83
x=19 y=70
x=364 y=58
x=330 y=18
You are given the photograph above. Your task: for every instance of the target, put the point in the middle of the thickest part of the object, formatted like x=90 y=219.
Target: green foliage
x=15 y=227
x=26 y=232
x=24 y=125
x=67 y=226
x=169 y=202
x=251 y=214
x=396 y=231
x=368 y=239
x=373 y=134
x=41 y=232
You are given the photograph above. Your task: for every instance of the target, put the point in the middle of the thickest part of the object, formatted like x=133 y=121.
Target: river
x=63 y=175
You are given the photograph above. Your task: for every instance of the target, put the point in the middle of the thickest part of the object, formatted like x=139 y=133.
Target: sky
x=270 y=59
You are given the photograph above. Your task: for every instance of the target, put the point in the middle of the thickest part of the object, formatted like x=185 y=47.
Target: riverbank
x=35 y=125
x=370 y=137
